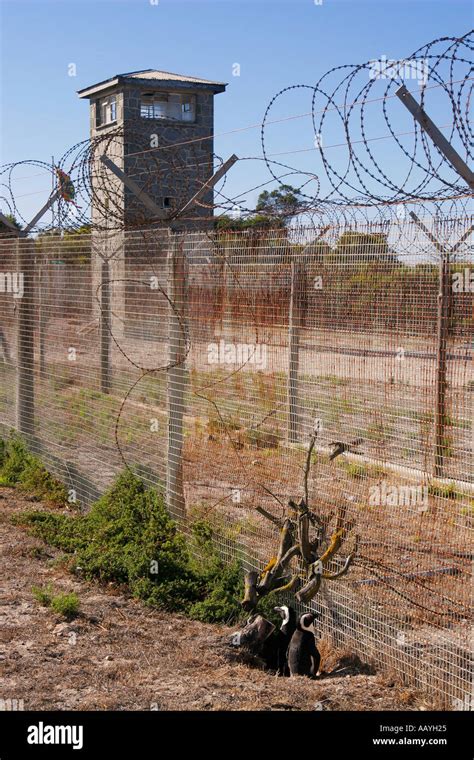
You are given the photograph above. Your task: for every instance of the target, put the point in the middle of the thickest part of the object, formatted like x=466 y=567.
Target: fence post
x=443 y=317
x=177 y=337
x=42 y=317
x=25 y=386
x=105 y=327
x=295 y=322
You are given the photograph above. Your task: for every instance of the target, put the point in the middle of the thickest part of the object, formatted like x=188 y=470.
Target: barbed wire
x=339 y=104
x=443 y=61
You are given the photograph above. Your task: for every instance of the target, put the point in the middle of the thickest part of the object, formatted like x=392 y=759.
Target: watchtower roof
x=150 y=78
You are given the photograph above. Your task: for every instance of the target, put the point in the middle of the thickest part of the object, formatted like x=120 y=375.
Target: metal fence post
x=443 y=317
x=105 y=327
x=295 y=322
x=25 y=387
x=177 y=348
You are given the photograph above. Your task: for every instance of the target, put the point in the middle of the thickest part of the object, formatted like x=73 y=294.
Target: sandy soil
x=117 y=654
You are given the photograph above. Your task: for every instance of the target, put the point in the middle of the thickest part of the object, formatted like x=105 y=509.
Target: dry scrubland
x=119 y=655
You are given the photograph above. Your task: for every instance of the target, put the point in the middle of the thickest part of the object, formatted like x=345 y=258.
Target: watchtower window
x=172 y=106
x=106 y=110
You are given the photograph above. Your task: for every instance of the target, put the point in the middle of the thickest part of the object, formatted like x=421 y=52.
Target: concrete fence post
x=177 y=347
x=443 y=318
x=295 y=323
x=105 y=327
x=42 y=319
x=25 y=385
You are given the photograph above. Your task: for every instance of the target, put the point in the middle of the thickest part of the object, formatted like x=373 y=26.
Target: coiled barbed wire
x=348 y=102
x=340 y=100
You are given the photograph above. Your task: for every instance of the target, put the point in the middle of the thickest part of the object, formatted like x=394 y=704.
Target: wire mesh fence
x=205 y=360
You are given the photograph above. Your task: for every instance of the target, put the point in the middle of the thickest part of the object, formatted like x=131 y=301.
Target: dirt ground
x=119 y=655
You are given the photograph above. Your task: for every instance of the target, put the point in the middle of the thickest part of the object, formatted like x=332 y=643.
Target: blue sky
x=276 y=43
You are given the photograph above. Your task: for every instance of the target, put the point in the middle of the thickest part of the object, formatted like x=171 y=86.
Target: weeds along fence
x=205 y=360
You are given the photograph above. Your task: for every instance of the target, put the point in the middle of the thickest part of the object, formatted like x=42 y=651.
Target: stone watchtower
x=158 y=128
x=155 y=119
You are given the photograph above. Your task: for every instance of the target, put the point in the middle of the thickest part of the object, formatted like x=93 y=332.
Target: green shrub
x=66 y=605
x=43 y=595
x=55 y=529
x=15 y=460
x=222 y=602
x=37 y=481
x=129 y=538
x=223 y=584
x=18 y=467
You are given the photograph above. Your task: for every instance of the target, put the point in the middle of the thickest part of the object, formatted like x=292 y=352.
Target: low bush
x=43 y=595
x=129 y=538
x=18 y=467
x=65 y=604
